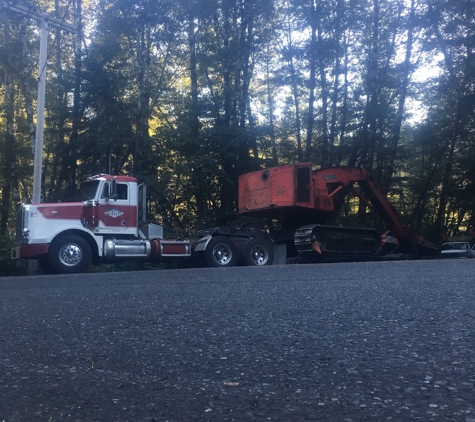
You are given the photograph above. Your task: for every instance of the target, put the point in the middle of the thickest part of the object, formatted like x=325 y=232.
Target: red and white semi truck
x=108 y=223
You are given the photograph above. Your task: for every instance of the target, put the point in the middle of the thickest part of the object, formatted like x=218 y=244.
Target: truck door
x=116 y=215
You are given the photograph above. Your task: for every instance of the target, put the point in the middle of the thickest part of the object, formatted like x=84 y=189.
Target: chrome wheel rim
x=222 y=254
x=70 y=254
x=259 y=255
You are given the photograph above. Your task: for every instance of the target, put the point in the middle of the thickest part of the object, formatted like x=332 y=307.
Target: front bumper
x=29 y=251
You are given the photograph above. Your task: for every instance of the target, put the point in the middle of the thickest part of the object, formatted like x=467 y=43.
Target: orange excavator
x=303 y=199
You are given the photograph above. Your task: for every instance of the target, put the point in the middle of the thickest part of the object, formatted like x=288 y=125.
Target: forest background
x=186 y=95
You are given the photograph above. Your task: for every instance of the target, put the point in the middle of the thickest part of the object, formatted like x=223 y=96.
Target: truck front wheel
x=257 y=252
x=70 y=254
x=221 y=252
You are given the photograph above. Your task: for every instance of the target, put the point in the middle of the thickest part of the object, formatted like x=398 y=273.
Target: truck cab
x=113 y=205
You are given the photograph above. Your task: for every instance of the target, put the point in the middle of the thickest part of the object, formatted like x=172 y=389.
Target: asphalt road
x=377 y=341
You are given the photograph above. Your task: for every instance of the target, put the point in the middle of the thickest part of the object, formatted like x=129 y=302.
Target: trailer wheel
x=70 y=254
x=221 y=252
x=257 y=252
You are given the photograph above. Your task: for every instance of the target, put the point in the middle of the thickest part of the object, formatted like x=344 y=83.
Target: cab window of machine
x=121 y=190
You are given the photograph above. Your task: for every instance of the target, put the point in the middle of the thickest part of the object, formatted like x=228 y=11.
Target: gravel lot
x=375 y=341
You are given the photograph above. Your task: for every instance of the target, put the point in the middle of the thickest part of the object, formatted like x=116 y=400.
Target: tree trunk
x=344 y=108
x=244 y=57
x=295 y=94
x=245 y=47
x=74 y=140
x=340 y=10
x=193 y=71
x=252 y=127
x=142 y=70
x=367 y=138
x=61 y=148
x=326 y=150
x=238 y=69
x=456 y=107
x=374 y=89
x=270 y=102
x=365 y=145
x=194 y=124
x=9 y=158
x=69 y=166
x=391 y=157
x=312 y=85
x=26 y=88
x=227 y=87
x=440 y=221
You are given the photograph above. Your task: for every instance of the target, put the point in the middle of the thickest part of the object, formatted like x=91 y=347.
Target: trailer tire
x=221 y=252
x=257 y=252
x=70 y=254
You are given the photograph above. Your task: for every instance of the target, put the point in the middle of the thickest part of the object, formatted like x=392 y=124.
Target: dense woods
x=187 y=95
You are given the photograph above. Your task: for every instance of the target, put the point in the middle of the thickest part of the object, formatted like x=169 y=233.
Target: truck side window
x=122 y=191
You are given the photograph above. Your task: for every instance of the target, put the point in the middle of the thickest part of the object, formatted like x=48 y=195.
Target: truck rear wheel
x=221 y=252
x=257 y=252
x=70 y=254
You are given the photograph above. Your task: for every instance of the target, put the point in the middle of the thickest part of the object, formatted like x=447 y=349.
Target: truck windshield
x=87 y=190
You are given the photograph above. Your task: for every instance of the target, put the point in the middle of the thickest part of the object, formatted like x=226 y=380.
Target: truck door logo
x=114 y=213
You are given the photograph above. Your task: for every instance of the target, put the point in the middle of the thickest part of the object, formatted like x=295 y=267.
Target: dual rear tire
x=257 y=252
x=222 y=252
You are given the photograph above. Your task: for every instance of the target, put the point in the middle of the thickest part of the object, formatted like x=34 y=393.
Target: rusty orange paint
x=305 y=194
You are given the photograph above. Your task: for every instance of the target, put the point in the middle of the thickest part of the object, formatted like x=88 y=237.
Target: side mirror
x=113 y=190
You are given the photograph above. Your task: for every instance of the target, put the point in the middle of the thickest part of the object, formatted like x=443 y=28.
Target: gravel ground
x=376 y=341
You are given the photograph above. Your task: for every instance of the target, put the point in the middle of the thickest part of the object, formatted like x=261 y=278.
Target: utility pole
x=45 y=21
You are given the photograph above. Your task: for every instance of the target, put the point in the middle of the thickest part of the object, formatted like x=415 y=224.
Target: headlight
x=26 y=235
